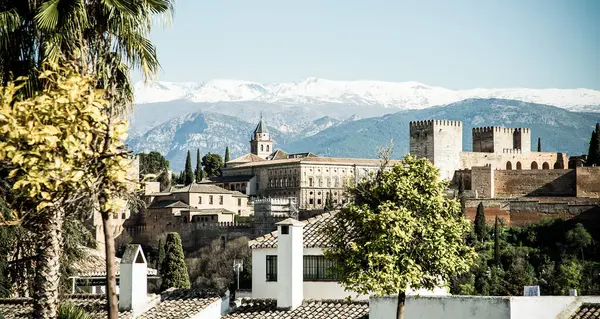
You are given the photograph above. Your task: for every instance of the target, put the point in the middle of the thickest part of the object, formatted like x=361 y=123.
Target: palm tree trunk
x=47 y=278
x=111 y=279
x=400 y=306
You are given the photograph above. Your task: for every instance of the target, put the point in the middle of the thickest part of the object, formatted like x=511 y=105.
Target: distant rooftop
x=310 y=309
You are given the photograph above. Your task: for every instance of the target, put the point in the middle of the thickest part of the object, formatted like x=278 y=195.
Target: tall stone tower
x=261 y=143
x=440 y=141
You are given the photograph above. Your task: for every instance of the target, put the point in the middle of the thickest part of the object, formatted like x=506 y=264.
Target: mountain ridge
x=316 y=91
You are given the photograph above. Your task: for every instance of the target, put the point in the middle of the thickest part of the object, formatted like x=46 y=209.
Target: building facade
x=440 y=141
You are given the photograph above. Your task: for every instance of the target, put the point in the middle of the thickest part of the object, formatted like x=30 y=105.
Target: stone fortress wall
x=514 y=183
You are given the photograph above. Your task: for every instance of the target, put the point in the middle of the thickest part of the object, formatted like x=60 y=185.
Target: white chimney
x=290 y=256
x=133 y=286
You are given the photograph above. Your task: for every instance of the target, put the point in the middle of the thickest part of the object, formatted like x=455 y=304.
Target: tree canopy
x=400 y=232
x=174 y=272
x=212 y=164
x=153 y=165
x=189 y=172
x=593 y=157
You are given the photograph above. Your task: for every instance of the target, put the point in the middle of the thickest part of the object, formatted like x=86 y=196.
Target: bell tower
x=261 y=143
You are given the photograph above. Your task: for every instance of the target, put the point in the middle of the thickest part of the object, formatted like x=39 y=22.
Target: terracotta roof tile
x=587 y=311
x=180 y=303
x=313 y=309
x=200 y=188
x=313 y=234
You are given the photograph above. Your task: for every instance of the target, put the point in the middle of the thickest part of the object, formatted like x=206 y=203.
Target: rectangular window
x=310 y=182
x=317 y=268
x=239 y=202
x=319 y=201
x=220 y=199
x=311 y=201
x=200 y=200
x=210 y=199
x=271 y=268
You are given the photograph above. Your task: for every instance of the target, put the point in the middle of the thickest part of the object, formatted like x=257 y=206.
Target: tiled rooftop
x=313 y=235
x=247 y=158
x=95 y=305
x=587 y=311
x=315 y=160
x=200 y=188
x=180 y=303
x=168 y=203
x=317 y=309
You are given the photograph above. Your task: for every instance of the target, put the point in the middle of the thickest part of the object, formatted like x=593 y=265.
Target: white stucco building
x=317 y=281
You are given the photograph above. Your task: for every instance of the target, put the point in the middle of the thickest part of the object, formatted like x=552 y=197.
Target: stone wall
x=513 y=183
x=482 y=181
x=588 y=182
x=513 y=159
x=519 y=212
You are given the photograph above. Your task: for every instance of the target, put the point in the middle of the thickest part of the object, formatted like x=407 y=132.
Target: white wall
x=312 y=289
x=442 y=307
x=213 y=311
x=467 y=307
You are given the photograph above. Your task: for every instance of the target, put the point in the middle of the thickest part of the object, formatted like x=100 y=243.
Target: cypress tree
x=480 y=223
x=189 y=172
x=594 y=150
x=539 y=144
x=226 y=156
x=173 y=270
x=497 y=241
x=198 y=171
x=161 y=254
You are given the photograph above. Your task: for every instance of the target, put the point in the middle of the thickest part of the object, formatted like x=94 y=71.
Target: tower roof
x=261 y=128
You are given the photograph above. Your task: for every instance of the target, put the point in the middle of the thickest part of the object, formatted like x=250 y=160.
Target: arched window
x=534 y=165
x=519 y=165
x=261 y=147
x=508 y=165
x=558 y=165
x=545 y=165
x=267 y=148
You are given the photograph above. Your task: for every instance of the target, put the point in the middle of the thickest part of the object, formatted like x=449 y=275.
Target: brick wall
x=588 y=182
x=554 y=182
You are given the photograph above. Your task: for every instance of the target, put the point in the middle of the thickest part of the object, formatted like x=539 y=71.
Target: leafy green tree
x=578 y=238
x=210 y=267
x=155 y=167
x=161 y=255
x=497 y=242
x=198 y=172
x=593 y=157
x=480 y=227
x=212 y=164
x=539 y=147
x=62 y=148
x=189 y=172
x=174 y=271
x=328 y=202
x=569 y=275
x=400 y=232
x=227 y=159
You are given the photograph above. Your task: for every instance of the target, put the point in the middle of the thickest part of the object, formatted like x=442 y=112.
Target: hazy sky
x=457 y=44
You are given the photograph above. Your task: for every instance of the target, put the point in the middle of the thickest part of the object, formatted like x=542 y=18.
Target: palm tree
x=103 y=38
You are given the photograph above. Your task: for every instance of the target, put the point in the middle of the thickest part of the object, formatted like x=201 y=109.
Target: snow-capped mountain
x=314 y=91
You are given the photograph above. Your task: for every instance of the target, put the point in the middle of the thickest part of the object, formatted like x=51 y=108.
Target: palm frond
x=9 y=20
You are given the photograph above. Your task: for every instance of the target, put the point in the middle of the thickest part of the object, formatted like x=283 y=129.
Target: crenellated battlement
x=512 y=151
x=525 y=130
x=427 y=123
x=495 y=129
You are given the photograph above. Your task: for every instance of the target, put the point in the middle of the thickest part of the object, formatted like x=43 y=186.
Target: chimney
x=133 y=286
x=290 y=256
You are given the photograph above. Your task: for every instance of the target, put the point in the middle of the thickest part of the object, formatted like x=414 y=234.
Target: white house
x=308 y=237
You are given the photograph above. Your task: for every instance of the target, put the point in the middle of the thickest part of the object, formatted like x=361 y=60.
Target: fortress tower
x=497 y=139
x=261 y=143
x=440 y=141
